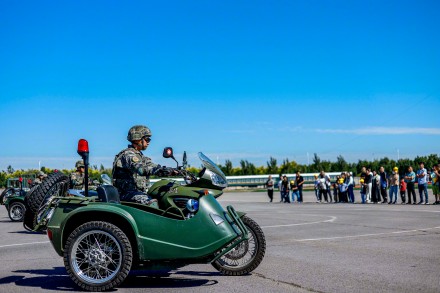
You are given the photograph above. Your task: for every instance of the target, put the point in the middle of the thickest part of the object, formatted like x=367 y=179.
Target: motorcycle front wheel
x=246 y=256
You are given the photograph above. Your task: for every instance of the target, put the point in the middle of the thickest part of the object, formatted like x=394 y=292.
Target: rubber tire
x=37 y=195
x=22 y=206
x=259 y=240
x=127 y=255
x=2 y=196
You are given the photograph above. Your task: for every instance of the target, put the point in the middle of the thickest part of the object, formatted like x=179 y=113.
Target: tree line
x=287 y=166
x=272 y=167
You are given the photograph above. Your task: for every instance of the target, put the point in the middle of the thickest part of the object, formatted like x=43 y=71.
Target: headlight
x=192 y=205
x=218 y=180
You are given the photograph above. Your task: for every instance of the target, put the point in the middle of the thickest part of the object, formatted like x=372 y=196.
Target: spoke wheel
x=98 y=256
x=247 y=255
x=55 y=184
x=16 y=211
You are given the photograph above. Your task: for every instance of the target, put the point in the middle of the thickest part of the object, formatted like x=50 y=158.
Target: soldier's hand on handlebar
x=166 y=171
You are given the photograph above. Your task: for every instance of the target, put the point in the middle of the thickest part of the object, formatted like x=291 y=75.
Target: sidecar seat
x=108 y=193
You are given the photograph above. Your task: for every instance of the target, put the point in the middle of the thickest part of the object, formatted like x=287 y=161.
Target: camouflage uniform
x=131 y=172
x=39 y=180
x=77 y=181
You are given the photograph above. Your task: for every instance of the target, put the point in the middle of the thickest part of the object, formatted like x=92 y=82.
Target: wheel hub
x=239 y=251
x=97 y=257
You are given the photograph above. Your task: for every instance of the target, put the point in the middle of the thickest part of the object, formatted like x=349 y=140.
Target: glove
x=164 y=171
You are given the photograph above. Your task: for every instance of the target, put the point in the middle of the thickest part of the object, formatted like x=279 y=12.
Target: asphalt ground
x=311 y=247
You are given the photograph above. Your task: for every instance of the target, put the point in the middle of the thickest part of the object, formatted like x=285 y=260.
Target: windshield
x=211 y=166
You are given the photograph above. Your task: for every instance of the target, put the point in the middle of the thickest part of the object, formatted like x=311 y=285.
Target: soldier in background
x=40 y=177
x=132 y=170
x=77 y=179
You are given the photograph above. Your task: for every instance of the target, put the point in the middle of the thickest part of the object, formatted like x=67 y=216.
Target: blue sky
x=234 y=79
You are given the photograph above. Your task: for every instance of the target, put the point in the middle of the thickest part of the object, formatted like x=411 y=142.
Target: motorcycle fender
x=64 y=216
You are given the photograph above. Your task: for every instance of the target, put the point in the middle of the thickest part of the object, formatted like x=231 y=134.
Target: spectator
x=299 y=181
x=280 y=183
x=402 y=191
x=383 y=184
x=285 y=189
x=322 y=186
x=336 y=190
x=269 y=186
x=394 y=185
x=435 y=175
x=368 y=182
x=350 y=186
x=316 y=186
x=422 y=182
x=410 y=179
x=363 y=189
x=342 y=189
x=375 y=189
x=295 y=191
x=328 y=186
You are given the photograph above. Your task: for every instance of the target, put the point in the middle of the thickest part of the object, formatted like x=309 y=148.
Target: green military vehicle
x=102 y=239
x=14 y=195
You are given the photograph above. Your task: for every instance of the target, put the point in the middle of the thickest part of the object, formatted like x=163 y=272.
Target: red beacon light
x=20 y=179
x=83 y=146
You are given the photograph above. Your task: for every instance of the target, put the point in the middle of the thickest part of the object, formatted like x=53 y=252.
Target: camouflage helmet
x=137 y=132
x=79 y=164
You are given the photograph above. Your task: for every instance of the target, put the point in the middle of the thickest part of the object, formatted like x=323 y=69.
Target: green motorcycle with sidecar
x=102 y=239
x=13 y=197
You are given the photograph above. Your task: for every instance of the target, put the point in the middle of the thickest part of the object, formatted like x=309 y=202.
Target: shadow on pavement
x=56 y=279
x=166 y=282
x=27 y=232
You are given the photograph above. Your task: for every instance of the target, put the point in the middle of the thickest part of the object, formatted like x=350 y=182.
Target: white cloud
x=384 y=131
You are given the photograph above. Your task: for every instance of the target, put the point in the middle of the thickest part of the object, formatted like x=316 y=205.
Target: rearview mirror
x=168 y=153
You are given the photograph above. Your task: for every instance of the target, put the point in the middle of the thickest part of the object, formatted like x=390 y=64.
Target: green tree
x=3 y=178
x=316 y=165
x=227 y=169
x=10 y=170
x=272 y=166
x=340 y=165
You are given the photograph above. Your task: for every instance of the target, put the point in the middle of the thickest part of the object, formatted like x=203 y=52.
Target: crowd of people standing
x=375 y=186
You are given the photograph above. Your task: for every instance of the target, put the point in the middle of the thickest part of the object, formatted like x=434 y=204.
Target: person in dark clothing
x=383 y=184
x=375 y=191
x=336 y=190
x=410 y=179
x=299 y=181
x=269 y=186
x=323 y=186
x=343 y=189
x=285 y=189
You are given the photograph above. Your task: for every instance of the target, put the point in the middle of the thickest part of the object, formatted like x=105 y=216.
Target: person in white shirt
x=422 y=177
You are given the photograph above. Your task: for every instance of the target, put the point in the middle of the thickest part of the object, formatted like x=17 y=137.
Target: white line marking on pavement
x=366 y=235
x=301 y=224
x=21 y=244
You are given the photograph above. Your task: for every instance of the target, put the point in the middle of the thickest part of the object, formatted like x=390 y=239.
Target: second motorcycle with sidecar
x=102 y=239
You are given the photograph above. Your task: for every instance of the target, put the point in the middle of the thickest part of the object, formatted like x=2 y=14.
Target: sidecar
x=13 y=200
x=101 y=236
